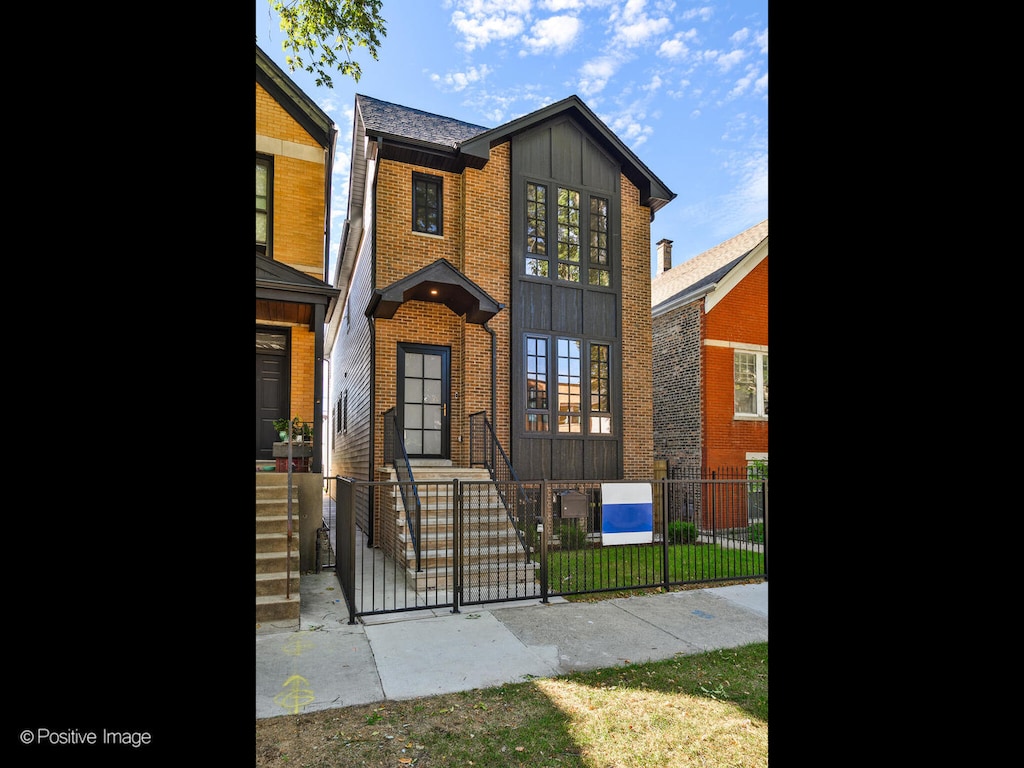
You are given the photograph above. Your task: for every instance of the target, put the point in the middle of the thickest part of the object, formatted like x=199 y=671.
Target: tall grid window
x=600 y=390
x=263 y=177
x=580 y=403
x=537 y=230
x=581 y=224
x=536 y=384
x=568 y=235
x=598 y=273
x=426 y=204
x=570 y=380
x=750 y=383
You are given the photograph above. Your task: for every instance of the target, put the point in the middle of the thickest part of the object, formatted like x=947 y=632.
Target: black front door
x=272 y=383
x=423 y=394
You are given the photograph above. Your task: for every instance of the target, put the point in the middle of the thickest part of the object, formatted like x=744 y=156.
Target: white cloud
x=457 y=81
x=632 y=35
x=673 y=49
x=483 y=21
x=594 y=75
x=561 y=5
x=704 y=14
x=653 y=85
x=556 y=33
x=727 y=61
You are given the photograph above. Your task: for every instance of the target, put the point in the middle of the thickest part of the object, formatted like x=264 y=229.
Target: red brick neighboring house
x=710 y=332
x=503 y=271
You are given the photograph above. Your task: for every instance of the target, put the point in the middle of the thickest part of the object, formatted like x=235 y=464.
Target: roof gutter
x=684 y=298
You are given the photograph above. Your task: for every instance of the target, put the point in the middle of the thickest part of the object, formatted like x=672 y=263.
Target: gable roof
x=700 y=274
x=439 y=282
x=653 y=192
x=423 y=138
x=294 y=101
x=393 y=121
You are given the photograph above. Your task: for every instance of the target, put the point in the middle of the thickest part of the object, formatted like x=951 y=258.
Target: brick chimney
x=664 y=255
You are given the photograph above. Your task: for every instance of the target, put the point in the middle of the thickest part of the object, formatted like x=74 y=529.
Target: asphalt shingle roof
x=395 y=120
x=708 y=264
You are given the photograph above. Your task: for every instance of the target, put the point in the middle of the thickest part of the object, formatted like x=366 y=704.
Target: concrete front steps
x=493 y=558
x=277 y=595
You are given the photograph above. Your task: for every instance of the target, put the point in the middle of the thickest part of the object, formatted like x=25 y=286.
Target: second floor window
x=579 y=225
x=750 y=383
x=263 y=179
x=426 y=204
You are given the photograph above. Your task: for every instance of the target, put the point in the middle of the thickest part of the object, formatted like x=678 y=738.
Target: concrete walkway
x=326 y=662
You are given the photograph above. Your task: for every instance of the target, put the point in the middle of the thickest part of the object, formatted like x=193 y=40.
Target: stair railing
x=396 y=455
x=486 y=450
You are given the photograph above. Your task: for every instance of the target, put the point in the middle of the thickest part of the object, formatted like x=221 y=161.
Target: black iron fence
x=482 y=542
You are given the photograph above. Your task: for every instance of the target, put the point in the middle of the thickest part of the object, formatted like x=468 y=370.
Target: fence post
x=457 y=554
x=543 y=536
x=664 y=534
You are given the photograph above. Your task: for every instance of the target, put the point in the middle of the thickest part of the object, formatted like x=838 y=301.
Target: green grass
x=630 y=567
x=705 y=709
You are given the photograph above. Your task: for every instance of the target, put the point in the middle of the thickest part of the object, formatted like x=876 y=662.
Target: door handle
x=444 y=409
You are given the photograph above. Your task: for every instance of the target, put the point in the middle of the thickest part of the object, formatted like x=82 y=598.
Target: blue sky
x=683 y=83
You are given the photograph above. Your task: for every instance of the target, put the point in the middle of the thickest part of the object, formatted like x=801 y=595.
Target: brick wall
x=741 y=318
x=637 y=383
x=299 y=205
x=677 y=338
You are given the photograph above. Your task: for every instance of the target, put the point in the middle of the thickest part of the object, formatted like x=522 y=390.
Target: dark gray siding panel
x=563 y=153
x=567 y=310
x=567 y=153
x=602 y=316
x=533 y=153
x=602 y=460
x=533 y=305
x=566 y=459
x=534 y=460
x=599 y=172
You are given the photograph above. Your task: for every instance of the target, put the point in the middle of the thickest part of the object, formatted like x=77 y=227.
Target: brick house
x=502 y=273
x=710 y=336
x=295 y=142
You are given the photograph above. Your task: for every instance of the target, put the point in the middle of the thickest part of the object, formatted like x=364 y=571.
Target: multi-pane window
x=750 y=383
x=568 y=234
x=570 y=415
x=262 y=204
x=580 y=404
x=600 y=390
x=537 y=230
x=426 y=204
x=599 y=274
x=536 y=384
x=582 y=252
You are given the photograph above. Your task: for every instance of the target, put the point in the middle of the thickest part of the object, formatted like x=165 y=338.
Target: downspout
x=373 y=346
x=494 y=373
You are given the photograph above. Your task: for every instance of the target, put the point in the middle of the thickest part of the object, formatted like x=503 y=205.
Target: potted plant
x=307 y=432
x=286 y=428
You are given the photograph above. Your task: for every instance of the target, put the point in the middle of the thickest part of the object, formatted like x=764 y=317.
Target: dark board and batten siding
x=562 y=153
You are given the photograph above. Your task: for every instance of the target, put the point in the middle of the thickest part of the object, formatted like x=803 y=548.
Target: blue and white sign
x=627 y=513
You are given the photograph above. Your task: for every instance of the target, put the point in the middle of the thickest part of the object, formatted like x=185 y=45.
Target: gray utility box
x=572 y=504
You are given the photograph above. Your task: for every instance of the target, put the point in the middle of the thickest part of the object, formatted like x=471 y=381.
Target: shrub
x=572 y=536
x=755 y=533
x=681 y=533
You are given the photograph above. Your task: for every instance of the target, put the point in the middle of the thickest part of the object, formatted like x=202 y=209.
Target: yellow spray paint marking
x=297 y=645
x=296 y=695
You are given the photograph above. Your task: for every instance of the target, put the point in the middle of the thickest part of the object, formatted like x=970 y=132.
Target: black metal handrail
x=396 y=455
x=485 y=449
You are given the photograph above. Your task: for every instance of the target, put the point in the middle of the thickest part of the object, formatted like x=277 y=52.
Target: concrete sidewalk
x=327 y=663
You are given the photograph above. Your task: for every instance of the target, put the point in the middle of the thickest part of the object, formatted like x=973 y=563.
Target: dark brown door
x=423 y=394
x=271 y=389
